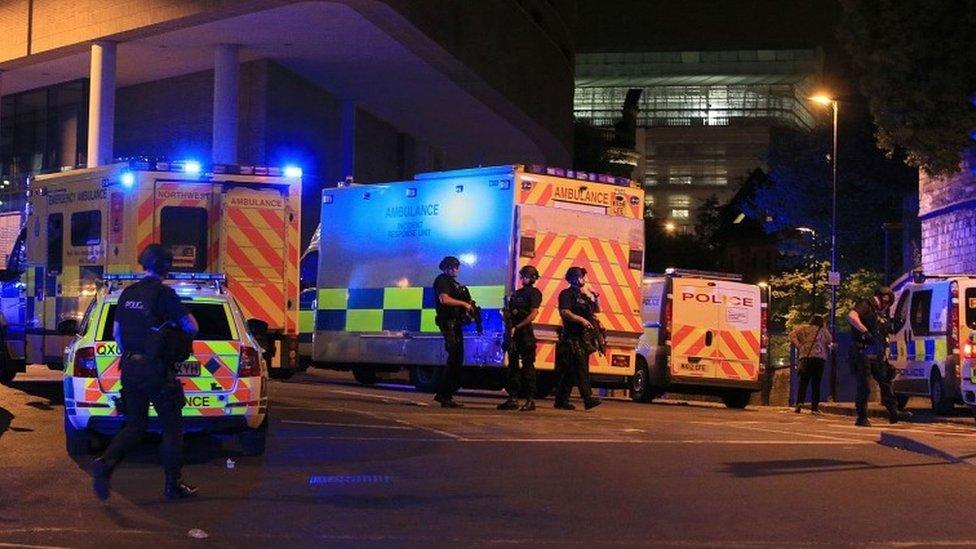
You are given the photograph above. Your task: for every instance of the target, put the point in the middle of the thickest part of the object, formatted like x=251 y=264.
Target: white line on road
x=378 y=397
x=506 y=440
x=356 y=425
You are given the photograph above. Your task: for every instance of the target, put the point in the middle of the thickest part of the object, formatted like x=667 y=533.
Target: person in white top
x=812 y=342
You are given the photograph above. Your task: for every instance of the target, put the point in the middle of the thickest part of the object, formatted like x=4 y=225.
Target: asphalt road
x=360 y=467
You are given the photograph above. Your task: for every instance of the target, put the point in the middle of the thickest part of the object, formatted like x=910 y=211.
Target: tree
x=918 y=71
x=799 y=294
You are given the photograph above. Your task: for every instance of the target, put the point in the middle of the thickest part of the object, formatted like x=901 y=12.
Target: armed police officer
x=453 y=308
x=577 y=342
x=869 y=324
x=144 y=313
x=522 y=308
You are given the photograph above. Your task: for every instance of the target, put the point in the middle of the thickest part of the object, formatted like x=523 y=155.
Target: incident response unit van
x=380 y=246
x=934 y=317
x=80 y=224
x=704 y=333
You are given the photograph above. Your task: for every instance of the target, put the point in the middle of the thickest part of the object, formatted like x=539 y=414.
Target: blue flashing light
x=128 y=179
x=293 y=172
x=192 y=167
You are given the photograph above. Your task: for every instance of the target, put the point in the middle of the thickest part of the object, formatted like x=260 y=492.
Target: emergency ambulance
x=81 y=224
x=933 y=323
x=704 y=333
x=225 y=382
x=380 y=245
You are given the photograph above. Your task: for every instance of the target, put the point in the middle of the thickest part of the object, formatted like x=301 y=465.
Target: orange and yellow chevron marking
x=257 y=264
x=606 y=265
x=145 y=219
x=543 y=191
x=734 y=352
x=545 y=357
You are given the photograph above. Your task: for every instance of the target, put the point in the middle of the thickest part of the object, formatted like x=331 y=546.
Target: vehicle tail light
x=250 y=363
x=85 y=363
x=969 y=350
x=952 y=336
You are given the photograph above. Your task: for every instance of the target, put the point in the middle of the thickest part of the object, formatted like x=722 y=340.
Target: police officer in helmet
x=142 y=310
x=451 y=308
x=522 y=308
x=577 y=309
x=869 y=323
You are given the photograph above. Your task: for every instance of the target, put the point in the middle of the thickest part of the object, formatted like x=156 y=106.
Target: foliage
x=919 y=72
x=799 y=294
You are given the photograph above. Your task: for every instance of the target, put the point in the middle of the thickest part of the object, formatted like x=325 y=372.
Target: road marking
x=356 y=425
x=767 y=430
x=509 y=440
x=6 y=544
x=378 y=397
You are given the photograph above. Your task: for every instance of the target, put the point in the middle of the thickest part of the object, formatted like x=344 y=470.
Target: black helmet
x=575 y=273
x=529 y=272
x=449 y=262
x=156 y=258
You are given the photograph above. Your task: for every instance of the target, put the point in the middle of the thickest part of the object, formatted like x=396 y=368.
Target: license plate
x=188 y=369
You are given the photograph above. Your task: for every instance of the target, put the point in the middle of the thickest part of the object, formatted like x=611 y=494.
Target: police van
x=80 y=224
x=225 y=382
x=934 y=318
x=704 y=333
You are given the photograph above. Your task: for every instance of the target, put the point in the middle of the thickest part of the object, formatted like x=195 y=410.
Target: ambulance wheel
x=902 y=401
x=941 y=403
x=425 y=378
x=640 y=387
x=253 y=441
x=736 y=399
x=366 y=376
x=76 y=441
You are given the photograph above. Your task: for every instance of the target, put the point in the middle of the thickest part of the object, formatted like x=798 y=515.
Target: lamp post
x=833 y=279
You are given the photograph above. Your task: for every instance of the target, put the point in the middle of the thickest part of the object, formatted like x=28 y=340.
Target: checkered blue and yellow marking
x=395 y=309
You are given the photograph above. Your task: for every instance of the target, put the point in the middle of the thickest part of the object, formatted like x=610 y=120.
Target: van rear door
x=694 y=328
x=740 y=331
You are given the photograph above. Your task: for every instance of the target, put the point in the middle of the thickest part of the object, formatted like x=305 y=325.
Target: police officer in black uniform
x=451 y=308
x=522 y=308
x=142 y=309
x=869 y=324
x=577 y=309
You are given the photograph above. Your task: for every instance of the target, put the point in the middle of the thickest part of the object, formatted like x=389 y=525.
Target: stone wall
x=947 y=210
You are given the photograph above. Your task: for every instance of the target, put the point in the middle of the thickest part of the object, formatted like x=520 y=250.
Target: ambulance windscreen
x=971 y=308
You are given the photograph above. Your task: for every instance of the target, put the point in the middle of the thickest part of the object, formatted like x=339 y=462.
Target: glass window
x=55 y=242
x=680 y=213
x=86 y=228
x=184 y=231
x=971 y=308
x=679 y=200
x=921 y=306
x=212 y=317
x=680 y=180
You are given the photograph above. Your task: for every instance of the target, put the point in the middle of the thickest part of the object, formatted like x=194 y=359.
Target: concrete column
x=226 y=78
x=101 y=104
x=347 y=138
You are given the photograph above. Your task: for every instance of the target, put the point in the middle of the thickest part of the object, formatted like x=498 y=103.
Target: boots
x=528 y=406
x=101 y=477
x=509 y=404
x=177 y=489
x=862 y=421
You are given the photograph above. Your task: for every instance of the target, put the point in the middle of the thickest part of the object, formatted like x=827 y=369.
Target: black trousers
x=572 y=368
x=866 y=367
x=146 y=382
x=521 y=365
x=454 y=345
x=811 y=373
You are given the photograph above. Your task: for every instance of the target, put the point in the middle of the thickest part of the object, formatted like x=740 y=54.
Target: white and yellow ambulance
x=704 y=333
x=81 y=224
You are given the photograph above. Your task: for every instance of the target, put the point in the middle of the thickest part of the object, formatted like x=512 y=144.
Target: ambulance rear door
x=695 y=328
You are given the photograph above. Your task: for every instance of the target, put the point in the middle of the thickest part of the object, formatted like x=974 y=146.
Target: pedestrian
x=451 y=309
x=577 y=309
x=521 y=309
x=142 y=314
x=869 y=325
x=813 y=343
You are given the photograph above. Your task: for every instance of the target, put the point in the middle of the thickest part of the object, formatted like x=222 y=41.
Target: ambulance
x=380 y=245
x=82 y=224
x=704 y=333
x=932 y=340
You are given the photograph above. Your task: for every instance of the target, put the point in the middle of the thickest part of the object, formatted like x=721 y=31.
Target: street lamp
x=833 y=279
x=670 y=227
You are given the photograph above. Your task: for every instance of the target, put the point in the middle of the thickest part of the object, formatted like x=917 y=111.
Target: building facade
x=947 y=211
x=705 y=116
x=376 y=90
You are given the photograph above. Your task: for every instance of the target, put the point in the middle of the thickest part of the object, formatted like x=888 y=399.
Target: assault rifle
x=596 y=337
x=472 y=315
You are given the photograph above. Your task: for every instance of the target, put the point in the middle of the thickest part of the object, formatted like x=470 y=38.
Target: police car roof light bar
x=671 y=271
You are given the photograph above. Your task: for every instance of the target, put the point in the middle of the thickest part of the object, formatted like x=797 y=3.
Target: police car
x=225 y=381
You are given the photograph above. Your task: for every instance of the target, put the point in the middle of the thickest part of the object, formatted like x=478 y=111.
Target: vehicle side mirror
x=257 y=327
x=68 y=327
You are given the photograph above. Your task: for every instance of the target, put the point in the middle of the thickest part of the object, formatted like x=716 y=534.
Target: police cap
x=529 y=272
x=575 y=273
x=449 y=262
x=156 y=258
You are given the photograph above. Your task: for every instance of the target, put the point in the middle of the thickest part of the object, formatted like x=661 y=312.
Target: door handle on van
x=708 y=338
